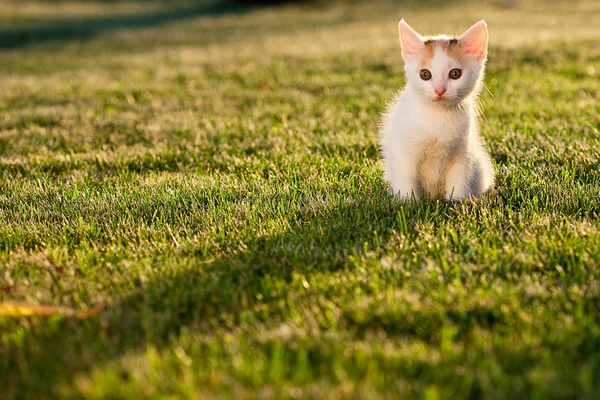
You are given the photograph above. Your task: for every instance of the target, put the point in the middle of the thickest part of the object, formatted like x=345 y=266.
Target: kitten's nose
x=439 y=91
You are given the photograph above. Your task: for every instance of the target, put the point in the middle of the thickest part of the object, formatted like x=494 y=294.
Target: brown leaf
x=8 y=288
x=9 y=309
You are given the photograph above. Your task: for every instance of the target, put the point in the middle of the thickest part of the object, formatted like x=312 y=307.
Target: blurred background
x=30 y=21
x=152 y=68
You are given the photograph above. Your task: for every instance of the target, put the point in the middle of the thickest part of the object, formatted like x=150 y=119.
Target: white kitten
x=430 y=137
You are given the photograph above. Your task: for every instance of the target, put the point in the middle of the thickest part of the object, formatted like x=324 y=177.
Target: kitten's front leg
x=402 y=178
x=456 y=182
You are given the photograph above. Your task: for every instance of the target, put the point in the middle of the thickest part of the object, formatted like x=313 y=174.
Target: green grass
x=215 y=181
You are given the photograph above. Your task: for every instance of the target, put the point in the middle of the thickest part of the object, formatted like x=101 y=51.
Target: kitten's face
x=444 y=70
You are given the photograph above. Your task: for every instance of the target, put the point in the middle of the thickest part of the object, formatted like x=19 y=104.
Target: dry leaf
x=29 y=310
x=8 y=288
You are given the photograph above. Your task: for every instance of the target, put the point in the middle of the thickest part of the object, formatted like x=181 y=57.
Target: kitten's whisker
x=488 y=90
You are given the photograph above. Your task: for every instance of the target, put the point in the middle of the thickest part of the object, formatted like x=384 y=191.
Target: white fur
x=432 y=147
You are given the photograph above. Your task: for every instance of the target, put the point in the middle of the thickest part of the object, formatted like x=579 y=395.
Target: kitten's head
x=443 y=69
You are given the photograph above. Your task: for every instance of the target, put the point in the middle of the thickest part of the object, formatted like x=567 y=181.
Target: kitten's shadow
x=212 y=292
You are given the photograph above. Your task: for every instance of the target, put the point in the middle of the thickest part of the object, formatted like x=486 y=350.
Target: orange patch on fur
x=451 y=46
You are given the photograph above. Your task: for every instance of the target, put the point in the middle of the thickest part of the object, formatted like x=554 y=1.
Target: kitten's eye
x=455 y=73
x=425 y=75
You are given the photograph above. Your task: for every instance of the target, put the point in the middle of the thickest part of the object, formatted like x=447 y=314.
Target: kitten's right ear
x=410 y=40
x=475 y=40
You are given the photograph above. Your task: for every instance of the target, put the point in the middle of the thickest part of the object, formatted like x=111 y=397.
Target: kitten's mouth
x=441 y=100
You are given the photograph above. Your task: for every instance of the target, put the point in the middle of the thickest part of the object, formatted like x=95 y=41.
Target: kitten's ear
x=410 y=40
x=475 y=40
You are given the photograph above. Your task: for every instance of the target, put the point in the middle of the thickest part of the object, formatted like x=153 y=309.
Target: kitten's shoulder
x=396 y=111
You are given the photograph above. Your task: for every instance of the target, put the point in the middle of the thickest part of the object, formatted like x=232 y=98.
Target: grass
x=214 y=182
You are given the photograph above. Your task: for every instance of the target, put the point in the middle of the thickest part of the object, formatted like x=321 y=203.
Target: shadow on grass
x=57 y=29
x=213 y=297
x=208 y=294
x=64 y=29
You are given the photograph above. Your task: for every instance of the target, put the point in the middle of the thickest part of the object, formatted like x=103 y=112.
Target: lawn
x=204 y=179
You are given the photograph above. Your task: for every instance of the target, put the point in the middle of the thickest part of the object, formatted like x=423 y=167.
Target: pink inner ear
x=410 y=40
x=475 y=40
x=409 y=49
x=476 y=49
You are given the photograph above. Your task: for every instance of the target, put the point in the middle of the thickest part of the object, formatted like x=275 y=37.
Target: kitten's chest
x=433 y=161
x=441 y=127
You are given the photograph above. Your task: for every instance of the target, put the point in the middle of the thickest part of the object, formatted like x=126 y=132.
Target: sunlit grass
x=215 y=181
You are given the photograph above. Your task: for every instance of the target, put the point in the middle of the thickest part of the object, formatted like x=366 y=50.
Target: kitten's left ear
x=410 y=40
x=475 y=40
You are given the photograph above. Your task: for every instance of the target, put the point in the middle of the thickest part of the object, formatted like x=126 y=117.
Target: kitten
x=430 y=136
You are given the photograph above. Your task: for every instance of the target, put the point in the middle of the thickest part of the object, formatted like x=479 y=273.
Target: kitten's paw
x=406 y=195
x=456 y=198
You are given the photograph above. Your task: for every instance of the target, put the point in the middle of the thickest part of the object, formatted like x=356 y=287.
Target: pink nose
x=440 y=91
